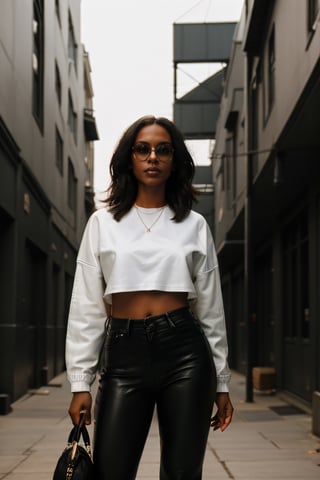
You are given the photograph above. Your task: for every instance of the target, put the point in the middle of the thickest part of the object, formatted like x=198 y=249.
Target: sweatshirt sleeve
x=87 y=314
x=209 y=308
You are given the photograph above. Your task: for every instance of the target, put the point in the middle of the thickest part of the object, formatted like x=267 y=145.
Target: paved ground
x=261 y=443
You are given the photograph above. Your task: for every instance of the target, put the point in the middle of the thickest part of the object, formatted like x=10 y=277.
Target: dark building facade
x=195 y=113
x=46 y=191
x=266 y=177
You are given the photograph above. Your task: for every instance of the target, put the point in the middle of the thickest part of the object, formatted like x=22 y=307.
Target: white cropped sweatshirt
x=123 y=257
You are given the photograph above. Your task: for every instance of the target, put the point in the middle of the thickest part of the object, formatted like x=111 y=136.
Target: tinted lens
x=142 y=151
x=164 y=151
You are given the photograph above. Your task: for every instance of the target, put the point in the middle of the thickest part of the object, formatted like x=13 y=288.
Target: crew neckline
x=150 y=209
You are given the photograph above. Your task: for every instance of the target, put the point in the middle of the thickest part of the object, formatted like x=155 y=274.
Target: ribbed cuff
x=80 y=387
x=222 y=387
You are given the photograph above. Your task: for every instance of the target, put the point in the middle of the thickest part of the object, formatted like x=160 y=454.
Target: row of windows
x=72 y=115
x=72 y=179
x=72 y=55
x=38 y=65
x=38 y=62
x=267 y=65
x=313 y=14
x=38 y=88
x=72 y=44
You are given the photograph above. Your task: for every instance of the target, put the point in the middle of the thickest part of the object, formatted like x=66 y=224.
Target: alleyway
x=260 y=444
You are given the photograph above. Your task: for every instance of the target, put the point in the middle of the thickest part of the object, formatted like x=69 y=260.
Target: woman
x=151 y=258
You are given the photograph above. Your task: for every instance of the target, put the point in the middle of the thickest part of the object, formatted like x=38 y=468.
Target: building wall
x=228 y=157
x=279 y=141
x=42 y=201
x=296 y=54
x=204 y=205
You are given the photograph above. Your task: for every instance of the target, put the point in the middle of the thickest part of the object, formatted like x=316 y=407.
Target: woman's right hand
x=80 y=401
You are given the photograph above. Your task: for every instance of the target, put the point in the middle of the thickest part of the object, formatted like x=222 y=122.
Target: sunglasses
x=142 y=151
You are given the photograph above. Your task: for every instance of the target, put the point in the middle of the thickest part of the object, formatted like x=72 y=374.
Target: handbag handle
x=80 y=427
x=76 y=433
x=83 y=432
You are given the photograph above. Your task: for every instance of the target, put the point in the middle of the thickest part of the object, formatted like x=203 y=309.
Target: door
x=264 y=311
x=35 y=301
x=296 y=321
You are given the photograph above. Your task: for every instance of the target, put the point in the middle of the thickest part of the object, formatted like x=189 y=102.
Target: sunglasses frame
x=162 y=157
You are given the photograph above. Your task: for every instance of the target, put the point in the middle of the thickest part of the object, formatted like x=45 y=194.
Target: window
x=231 y=169
x=219 y=183
x=296 y=278
x=313 y=9
x=72 y=118
x=58 y=83
x=72 y=187
x=228 y=160
x=222 y=171
x=234 y=167
x=59 y=152
x=255 y=122
x=38 y=62
x=72 y=46
x=271 y=69
x=57 y=8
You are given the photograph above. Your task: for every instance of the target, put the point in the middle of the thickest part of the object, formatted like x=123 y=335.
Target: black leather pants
x=164 y=360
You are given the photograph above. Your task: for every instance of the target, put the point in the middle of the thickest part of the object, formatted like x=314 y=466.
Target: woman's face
x=152 y=156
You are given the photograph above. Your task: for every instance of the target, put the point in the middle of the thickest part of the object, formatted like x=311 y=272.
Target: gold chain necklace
x=148 y=228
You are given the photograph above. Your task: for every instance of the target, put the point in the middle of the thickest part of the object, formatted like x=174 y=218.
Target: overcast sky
x=131 y=54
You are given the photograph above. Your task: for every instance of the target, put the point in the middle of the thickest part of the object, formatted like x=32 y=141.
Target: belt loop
x=149 y=329
x=129 y=324
x=169 y=320
x=107 y=324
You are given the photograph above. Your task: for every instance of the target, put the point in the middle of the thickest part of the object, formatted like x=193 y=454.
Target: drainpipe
x=248 y=245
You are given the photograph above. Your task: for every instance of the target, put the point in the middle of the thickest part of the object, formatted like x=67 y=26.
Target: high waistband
x=169 y=317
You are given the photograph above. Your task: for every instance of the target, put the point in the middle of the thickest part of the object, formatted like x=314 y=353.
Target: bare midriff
x=139 y=305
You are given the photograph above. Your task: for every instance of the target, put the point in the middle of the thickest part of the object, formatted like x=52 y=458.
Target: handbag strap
x=75 y=434
x=78 y=431
x=80 y=426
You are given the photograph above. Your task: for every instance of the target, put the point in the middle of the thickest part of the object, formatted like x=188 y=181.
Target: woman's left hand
x=223 y=416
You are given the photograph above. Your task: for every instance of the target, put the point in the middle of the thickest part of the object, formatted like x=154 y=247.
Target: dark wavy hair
x=122 y=193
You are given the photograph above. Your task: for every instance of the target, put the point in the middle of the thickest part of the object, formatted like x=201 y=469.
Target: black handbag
x=75 y=462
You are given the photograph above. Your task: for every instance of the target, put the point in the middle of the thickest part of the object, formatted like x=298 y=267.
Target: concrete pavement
x=267 y=439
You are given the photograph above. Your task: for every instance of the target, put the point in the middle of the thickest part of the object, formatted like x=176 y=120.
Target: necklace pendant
x=148 y=229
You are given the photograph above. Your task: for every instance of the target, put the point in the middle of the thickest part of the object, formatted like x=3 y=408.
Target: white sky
x=131 y=54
